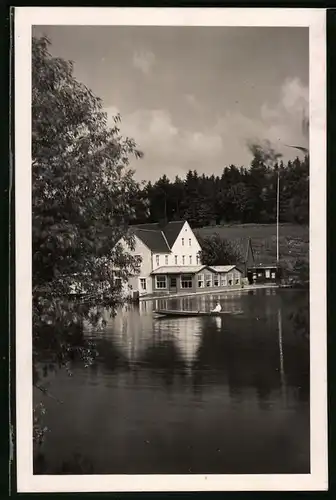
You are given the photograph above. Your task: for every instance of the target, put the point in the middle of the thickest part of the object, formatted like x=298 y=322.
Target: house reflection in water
x=136 y=332
x=218 y=350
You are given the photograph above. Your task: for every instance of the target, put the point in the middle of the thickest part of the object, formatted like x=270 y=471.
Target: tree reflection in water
x=200 y=370
x=164 y=359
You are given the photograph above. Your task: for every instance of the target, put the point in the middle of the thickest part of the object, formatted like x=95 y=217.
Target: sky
x=193 y=97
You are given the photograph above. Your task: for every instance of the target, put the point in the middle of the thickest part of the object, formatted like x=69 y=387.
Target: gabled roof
x=159 y=239
x=172 y=230
x=249 y=258
x=153 y=239
x=222 y=269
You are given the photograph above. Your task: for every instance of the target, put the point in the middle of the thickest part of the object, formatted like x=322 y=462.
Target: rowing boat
x=172 y=313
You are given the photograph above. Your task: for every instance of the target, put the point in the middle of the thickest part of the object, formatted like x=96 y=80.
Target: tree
x=82 y=204
x=239 y=197
x=217 y=251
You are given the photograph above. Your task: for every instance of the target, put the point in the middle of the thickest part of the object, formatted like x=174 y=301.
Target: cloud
x=281 y=123
x=286 y=121
x=111 y=112
x=193 y=103
x=191 y=99
x=295 y=97
x=143 y=60
x=172 y=150
x=168 y=149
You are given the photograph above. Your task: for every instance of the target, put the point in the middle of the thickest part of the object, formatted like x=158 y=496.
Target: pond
x=220 y=395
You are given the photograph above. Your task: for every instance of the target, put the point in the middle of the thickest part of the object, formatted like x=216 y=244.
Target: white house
x=174 y=245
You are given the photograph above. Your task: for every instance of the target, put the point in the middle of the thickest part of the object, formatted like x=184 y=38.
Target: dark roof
x=172 y=230
x=153 y=226
x=159 y=238
x=153 y=239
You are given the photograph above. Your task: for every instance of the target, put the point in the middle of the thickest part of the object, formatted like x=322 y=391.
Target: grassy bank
x=293 y=240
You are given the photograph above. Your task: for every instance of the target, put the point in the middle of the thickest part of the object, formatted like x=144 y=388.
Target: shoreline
x=146 y=298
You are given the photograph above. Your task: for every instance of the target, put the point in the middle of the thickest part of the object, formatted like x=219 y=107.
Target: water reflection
x=167 y=394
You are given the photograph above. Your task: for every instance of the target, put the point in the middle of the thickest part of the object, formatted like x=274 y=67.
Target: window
x=224 y=280
x=230 y=279
x=273 y=276
x=197 y=259
x=166 y=260
x=183 y=242
x=158 y=260
x=183 y=259
x=143 y=284
x=216 y=280
x=190 y=242
x=200 y=280
x=259 y=275
x=190 y=259
x=208 y=280
x=267 y=273
x=161 y=282
x=186 y=281
x=175 y=260
x=138 y=263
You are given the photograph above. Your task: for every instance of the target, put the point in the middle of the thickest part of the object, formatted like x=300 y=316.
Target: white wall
x=179 y=249
x=148 y=263
x=145 y=268
x=162 y=260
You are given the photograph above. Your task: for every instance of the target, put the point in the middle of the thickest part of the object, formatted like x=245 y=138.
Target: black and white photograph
x=170 y=249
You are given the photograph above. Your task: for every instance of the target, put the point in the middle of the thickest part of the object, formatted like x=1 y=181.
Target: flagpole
x=277 y=219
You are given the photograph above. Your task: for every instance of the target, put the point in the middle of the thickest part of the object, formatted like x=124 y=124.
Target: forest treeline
x=239 y=195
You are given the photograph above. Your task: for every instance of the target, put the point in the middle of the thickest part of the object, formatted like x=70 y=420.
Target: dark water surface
x=188 y=395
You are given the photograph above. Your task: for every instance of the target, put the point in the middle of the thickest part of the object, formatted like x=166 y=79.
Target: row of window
x=203 y=281
x=185 y=259
x=189 y=242
x=268 y=274
x=209 y=280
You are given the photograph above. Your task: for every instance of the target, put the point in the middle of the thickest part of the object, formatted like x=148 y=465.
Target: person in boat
x=218 y=308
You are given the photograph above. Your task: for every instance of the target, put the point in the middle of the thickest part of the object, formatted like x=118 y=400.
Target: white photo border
x=315 y=19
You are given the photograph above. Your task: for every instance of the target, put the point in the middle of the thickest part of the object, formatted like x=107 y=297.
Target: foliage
x=300 y=321
x=83 y=194
x=301 y=270
x=218 y=251
x=293 y=241
x=296 y=272
x=83 y=199
x=244 y=195
x=39 y=430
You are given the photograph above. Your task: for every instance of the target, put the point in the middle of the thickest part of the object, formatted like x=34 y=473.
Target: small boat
x=177 y=314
